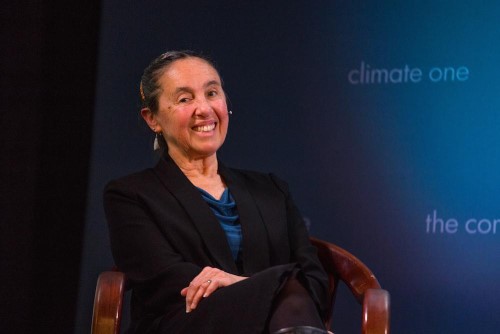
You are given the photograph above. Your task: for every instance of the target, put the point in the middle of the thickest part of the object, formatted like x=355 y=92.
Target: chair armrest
x=364 y=286
x=108 y=303
x=376 y=304
x=346 y=267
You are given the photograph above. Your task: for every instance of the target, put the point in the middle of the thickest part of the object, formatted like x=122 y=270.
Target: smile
x=204 y=128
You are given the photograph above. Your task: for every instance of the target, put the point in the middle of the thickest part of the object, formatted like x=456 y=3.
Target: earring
x=230 y=112
x=156 y=145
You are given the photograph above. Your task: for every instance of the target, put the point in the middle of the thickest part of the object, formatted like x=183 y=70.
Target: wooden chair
x=338 y=263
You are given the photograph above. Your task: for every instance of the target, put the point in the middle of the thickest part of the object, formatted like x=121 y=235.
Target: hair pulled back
x=150 y=88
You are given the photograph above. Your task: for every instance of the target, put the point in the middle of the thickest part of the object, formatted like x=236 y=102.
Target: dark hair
x=150 y=88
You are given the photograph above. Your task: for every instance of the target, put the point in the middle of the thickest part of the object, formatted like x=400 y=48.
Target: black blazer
x=163 y=233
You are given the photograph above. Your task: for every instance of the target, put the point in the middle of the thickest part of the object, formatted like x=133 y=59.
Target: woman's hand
x=203 y=285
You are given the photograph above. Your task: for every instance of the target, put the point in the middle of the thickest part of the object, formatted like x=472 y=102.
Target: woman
x=208 y=249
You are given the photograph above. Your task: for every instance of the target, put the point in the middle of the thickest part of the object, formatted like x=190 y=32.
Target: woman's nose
x=203 y=107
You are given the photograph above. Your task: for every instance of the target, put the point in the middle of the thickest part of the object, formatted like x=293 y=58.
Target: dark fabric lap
x=243 y=307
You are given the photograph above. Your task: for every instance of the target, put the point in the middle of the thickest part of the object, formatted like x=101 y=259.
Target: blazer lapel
x=255 y=237
x=202 y=217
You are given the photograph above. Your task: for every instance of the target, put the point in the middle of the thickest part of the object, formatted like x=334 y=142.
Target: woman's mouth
x=204 y=128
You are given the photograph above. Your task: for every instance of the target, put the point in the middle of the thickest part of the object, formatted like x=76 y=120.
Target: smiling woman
x=189 y=116
x=180 y=89
x=208 y=249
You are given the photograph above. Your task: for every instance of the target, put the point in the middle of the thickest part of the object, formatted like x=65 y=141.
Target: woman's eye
x=183 y=100
x=212 y=93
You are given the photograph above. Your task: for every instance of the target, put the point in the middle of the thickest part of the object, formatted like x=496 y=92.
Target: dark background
x=48 y=72
x=367 y=164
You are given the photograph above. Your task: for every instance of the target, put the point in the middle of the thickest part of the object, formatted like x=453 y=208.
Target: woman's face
x=192 y=110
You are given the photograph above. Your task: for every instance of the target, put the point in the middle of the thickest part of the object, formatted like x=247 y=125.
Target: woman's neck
x=202 y=172
x=200 y=166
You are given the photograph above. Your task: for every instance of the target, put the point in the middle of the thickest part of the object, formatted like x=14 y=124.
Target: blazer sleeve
x=141 y=251
x=303 y=252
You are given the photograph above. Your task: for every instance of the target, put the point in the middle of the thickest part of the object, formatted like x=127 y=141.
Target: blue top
x=226 y=212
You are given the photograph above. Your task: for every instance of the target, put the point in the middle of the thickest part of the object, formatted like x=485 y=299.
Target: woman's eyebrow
x=211 y=83
x=189 y=89
x=182 y=89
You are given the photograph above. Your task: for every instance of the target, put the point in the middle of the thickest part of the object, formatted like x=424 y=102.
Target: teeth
x=205 y=128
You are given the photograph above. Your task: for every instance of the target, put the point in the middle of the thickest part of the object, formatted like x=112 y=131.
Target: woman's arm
x=148 y=259
x=156 y=270
x=303 y=252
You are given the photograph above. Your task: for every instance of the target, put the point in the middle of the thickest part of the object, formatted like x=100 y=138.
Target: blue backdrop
x=383 y=117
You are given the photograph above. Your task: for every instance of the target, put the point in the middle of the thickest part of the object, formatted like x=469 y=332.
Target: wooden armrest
x=342 y=265
x=346 y=267
x=376 y=312
x=108 y=303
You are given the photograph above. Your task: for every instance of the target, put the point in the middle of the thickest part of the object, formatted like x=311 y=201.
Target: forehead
x=189 y=72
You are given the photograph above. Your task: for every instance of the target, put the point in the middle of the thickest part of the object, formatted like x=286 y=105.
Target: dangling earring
x=156 y=145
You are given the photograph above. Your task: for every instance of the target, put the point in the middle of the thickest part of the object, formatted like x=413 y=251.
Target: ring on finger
x=209 y=281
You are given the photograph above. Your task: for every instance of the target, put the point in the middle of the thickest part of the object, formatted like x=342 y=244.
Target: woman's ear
x=149 y=118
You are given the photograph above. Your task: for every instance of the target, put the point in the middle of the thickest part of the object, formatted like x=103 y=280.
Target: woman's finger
x=211 y=287
x=196 y=289
x=200 y=293
x=190 y=293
